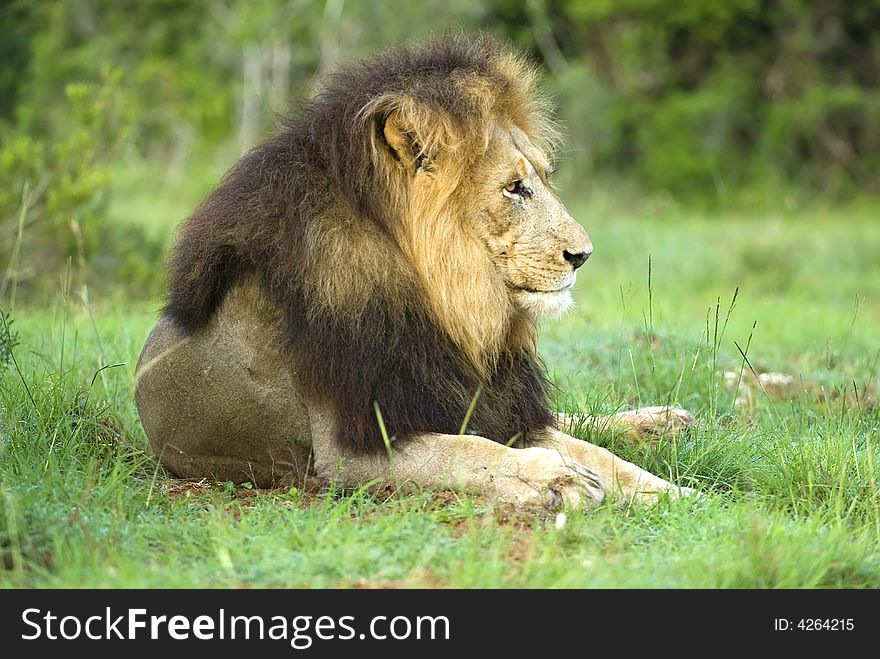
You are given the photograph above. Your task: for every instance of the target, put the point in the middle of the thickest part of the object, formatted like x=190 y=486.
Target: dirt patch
x=419 y=579
x=177 y=488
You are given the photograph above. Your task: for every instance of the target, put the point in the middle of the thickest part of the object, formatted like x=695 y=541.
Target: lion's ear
x=403 y=143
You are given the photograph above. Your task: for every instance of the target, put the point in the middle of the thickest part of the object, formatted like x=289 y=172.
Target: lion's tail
x=202 y=270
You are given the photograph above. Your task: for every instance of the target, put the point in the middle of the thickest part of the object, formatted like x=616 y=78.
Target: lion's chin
x=550 y=305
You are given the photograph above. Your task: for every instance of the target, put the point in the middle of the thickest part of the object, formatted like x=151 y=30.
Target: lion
x=358 y=300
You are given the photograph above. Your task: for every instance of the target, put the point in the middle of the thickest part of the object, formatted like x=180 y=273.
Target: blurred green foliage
x=712 y=98
x=720 y=103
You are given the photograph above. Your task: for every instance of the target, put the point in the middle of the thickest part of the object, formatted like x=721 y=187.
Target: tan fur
x=536 y=477
x=621 y=477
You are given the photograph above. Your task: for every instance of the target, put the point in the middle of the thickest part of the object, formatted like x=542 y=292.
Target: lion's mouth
x=550 y=302
x=546 y=291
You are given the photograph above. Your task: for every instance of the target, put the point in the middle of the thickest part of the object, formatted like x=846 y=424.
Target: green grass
x=791 y=476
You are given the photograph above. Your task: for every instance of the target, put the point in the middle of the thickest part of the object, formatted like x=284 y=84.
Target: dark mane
x=310 y=207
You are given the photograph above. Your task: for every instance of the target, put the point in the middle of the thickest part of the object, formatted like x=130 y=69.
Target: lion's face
x=534 y=243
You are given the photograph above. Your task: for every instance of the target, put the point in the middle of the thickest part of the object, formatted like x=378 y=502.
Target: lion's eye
x=517 y=188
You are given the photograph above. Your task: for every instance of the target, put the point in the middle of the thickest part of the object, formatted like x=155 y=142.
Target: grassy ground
x=791 y=468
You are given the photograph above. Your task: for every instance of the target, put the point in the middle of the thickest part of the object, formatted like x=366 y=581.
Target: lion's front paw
x=546 y=479
x=658 y=420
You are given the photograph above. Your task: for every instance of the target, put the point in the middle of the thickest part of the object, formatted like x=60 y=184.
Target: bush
x=710 y=99
x=52 y=208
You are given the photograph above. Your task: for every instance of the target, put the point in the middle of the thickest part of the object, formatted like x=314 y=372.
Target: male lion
x=365 y=283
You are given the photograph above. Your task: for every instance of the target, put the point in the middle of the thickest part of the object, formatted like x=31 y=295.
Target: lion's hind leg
x=220 y=403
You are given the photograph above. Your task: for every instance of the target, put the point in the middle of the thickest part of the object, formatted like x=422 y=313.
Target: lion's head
x=534 y=243
x=505 y=200
x=466 y=152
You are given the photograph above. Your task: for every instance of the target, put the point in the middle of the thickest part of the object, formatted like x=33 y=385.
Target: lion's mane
x=384 y=299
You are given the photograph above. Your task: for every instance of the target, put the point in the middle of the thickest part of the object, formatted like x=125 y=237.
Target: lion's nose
x=576 y=260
